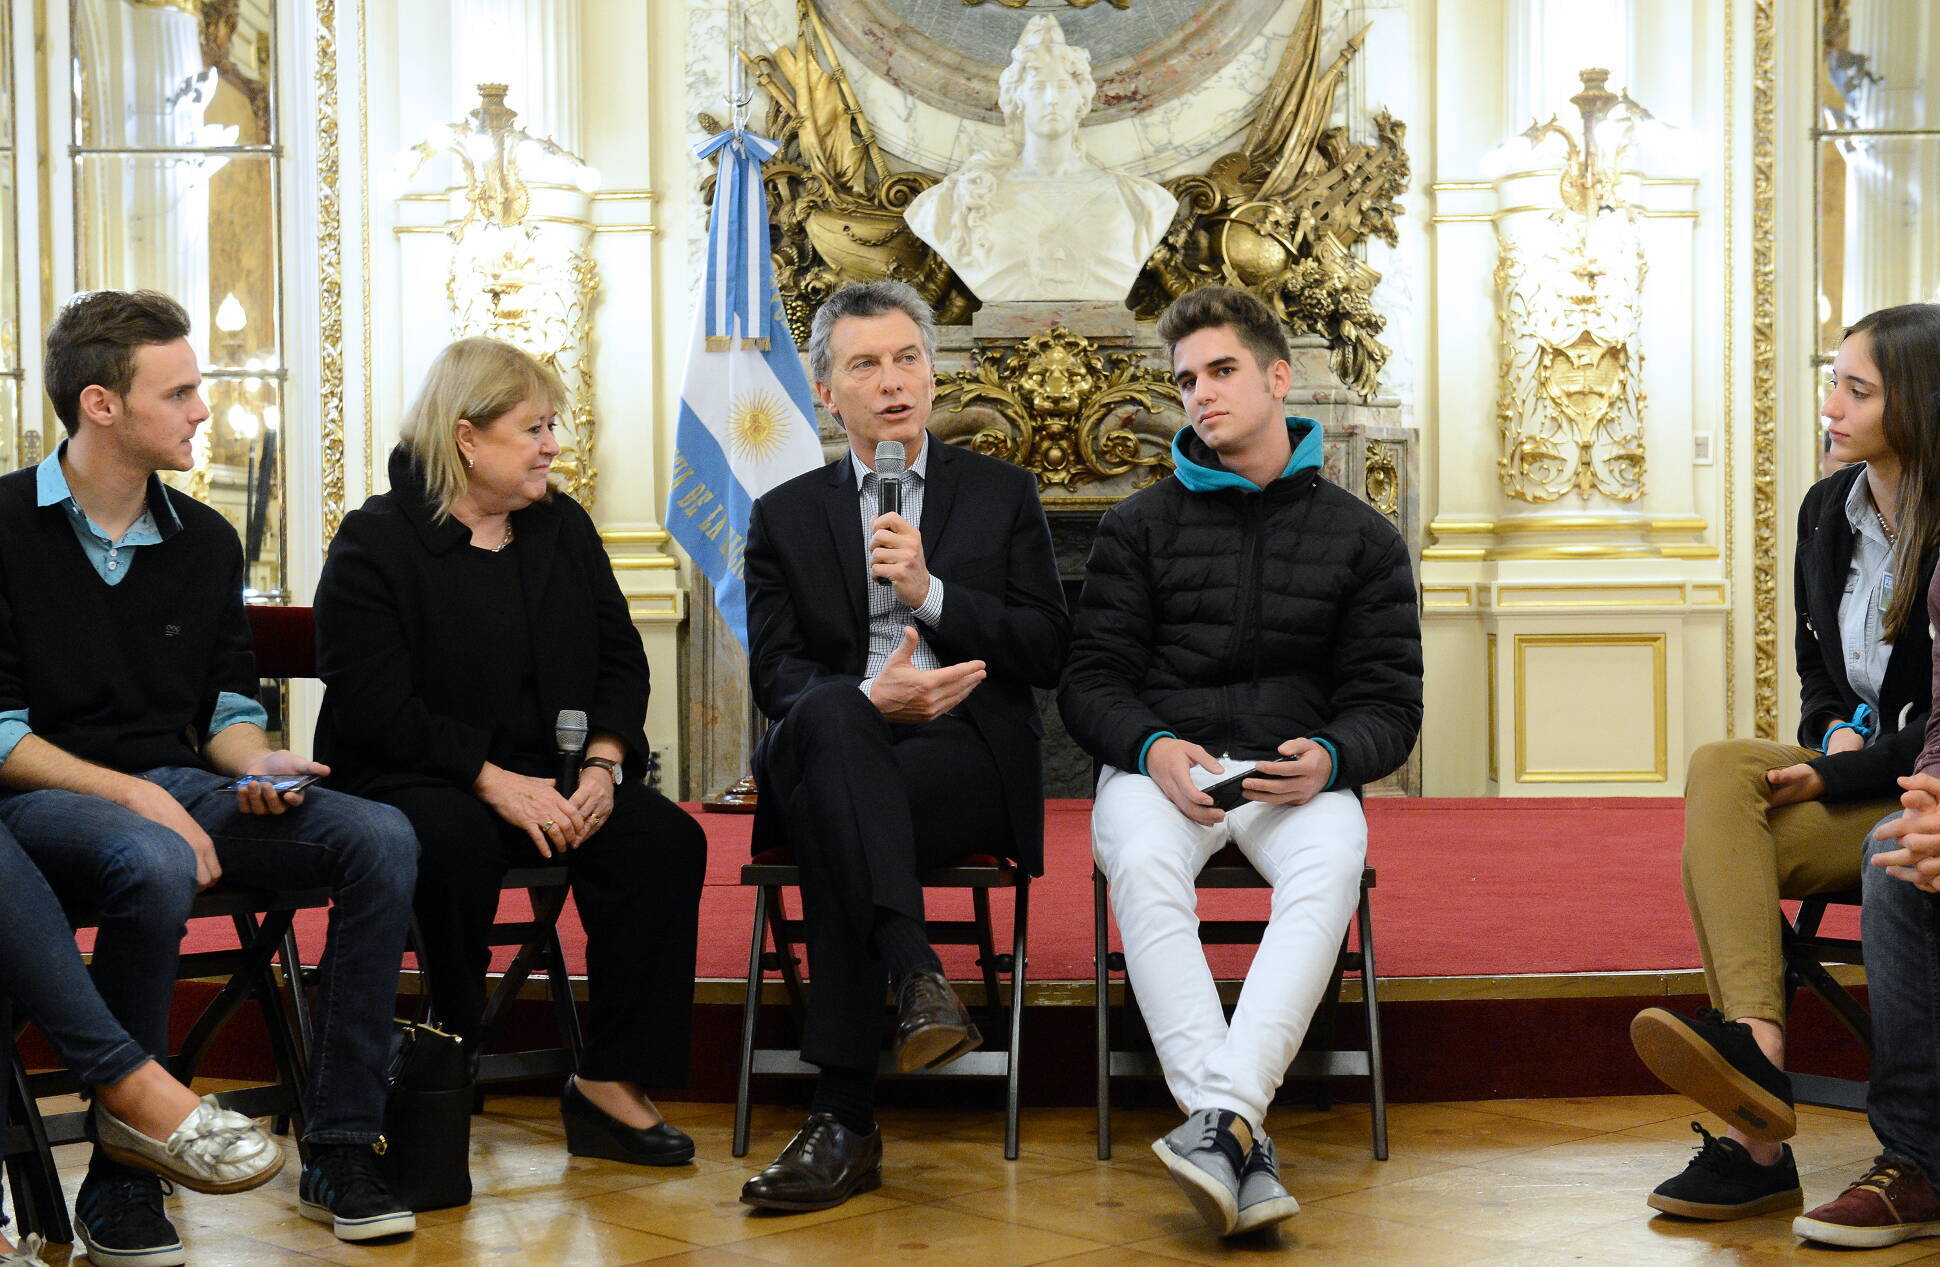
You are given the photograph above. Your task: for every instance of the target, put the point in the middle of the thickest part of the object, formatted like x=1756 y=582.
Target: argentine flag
x=746 y=413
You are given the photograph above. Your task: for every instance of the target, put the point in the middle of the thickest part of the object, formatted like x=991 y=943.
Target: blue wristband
x=1825 y=740
x=1859 y=725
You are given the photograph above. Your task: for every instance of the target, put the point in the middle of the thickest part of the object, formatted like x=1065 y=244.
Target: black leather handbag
x=428 y=1121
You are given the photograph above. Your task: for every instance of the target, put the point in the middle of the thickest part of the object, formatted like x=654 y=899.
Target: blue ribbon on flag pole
x=740 y=274
x=747 y=416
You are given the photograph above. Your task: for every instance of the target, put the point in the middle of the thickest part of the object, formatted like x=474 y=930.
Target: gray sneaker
x=1206 y=1158
x=1263 y=1200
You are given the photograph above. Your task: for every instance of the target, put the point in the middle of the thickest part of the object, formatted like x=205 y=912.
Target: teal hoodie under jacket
x=1190 y=455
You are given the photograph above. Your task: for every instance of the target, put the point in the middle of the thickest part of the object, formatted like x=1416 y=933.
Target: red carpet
x=1467 y=888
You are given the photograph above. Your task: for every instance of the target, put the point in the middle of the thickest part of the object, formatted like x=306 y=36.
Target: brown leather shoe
x=931 y=1026
x=1890 y=1203
x=823 y=1166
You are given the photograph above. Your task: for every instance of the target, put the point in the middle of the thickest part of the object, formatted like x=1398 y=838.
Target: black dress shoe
x=931 y=1027
x=592 y=1132
x=823 y=1166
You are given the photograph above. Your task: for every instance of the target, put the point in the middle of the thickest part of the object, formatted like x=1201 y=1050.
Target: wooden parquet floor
x=1509 y=1183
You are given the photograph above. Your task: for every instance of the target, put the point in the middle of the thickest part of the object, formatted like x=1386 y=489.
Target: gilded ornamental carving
x=1068 y=411
x=1382 y=483
x=1570 y=400
x=836 y=208
x=1282 y=215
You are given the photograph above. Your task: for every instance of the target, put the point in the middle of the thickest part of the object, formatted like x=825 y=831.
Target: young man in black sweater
x=1242 y=616
x=127 y=707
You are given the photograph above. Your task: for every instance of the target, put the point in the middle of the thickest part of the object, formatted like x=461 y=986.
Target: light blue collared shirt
x=887 y=615
x=112 y=560
x=1868 y=593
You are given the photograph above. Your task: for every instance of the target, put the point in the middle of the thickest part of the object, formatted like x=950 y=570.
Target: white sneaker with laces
x=26 y=1255
x=213 y=1150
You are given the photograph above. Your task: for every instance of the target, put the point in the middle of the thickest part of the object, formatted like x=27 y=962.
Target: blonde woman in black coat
x=457 y=615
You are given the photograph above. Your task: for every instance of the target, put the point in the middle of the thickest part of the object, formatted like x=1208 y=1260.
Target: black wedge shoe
x=592 y=1132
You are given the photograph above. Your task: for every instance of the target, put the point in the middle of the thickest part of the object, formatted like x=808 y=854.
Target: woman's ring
x=548 y=825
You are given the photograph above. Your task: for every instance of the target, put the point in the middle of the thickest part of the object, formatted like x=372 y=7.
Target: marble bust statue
x=1036 y=219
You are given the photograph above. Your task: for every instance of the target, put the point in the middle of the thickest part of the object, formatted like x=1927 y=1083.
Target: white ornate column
x=1577 y=627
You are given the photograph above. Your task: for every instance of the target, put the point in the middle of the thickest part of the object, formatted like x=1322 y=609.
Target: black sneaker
x=118 y=1216
x=1723 y=1182
x=1719 y=1064
x=343 y=1187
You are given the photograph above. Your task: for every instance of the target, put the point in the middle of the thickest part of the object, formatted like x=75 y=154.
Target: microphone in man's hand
x=569 y=737
x=889 y=483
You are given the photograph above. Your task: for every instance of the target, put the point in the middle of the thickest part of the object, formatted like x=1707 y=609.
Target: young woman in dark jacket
x=1764 y=820
x=457 y=616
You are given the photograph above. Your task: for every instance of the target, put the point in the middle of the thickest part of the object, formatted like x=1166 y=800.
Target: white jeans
x=1311 y=854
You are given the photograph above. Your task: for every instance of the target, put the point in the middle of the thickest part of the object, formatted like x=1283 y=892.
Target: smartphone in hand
x=1228 y=794
x=285 y=783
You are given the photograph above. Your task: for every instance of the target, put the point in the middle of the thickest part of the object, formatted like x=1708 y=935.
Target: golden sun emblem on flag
x=757 y=425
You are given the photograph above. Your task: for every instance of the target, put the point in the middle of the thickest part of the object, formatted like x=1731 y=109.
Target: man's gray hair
x=866 y=299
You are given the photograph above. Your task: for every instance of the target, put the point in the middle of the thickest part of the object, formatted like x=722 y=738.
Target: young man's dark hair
x=1238 y=310
x=93 y=340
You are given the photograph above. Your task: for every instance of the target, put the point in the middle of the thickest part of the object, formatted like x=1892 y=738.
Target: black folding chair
x=1807 y=952
x=1318 y=1058
x=774 y=871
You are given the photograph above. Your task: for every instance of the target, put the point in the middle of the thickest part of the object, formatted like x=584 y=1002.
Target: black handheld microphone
x=569 y=737
x=889 y=483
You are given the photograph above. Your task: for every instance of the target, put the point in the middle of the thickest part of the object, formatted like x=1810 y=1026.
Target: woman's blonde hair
x=478 y=381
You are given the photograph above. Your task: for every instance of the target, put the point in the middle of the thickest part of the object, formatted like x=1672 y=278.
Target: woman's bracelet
x=1825 y=740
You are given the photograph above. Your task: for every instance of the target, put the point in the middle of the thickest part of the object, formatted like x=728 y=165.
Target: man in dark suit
x=895 y=655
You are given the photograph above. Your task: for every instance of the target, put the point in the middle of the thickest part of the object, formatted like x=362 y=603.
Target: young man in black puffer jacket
x=1244 y=614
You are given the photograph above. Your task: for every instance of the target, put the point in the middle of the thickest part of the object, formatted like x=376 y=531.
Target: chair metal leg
x=1371 y=1005
x=299 y=999
x=791 y=976
x=750 y=1008
x=559 y=986
x=414 y=946
x=290 y=1052
x=39 y=1205
x=993 y=994
x=1020 y=920
x=236 y=991
x=1101 y=1009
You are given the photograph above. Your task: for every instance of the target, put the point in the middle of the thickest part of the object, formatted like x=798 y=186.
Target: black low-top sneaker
x=1720 y=1065
x=342 y=1186
x=1723 y=1182
x=118 y=1216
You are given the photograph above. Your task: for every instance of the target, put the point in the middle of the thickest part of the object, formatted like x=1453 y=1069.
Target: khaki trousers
x=1741 y=855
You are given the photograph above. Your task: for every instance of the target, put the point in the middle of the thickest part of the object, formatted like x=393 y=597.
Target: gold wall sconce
x=1569 y=287
x=522 y=267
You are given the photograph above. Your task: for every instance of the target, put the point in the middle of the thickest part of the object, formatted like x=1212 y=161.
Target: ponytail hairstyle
x=1906 y=348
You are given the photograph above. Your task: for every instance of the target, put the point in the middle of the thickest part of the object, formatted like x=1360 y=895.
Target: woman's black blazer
x=412 y=698
x=1825 y=696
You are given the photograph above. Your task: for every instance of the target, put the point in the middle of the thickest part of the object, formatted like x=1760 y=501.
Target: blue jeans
x=44 y=976
x=41 y=972
x=140 y=876
x=1901 y=929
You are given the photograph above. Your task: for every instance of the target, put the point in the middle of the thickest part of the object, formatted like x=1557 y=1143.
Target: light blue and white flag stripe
x=740 y=275
x=746 y=413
